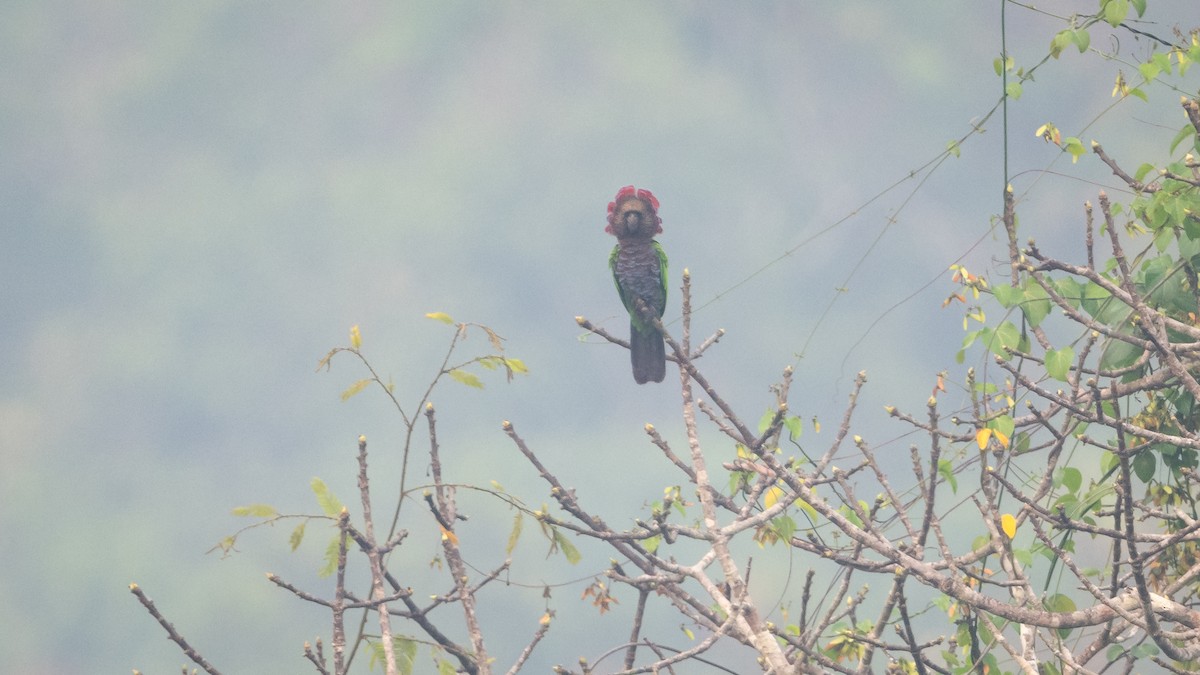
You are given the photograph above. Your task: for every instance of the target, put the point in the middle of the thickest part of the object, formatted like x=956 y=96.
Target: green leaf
x=1142 y=171
x=953 y=148
x=1023 y=556
x=515 y=534
x=1095 y=300
x=331 y=558
x=765 y=420
x=1149 y=70
x=808 y=510
x=1008 y=296
x=1013 y=90
x=1072 y=478
x=946 y=471
x=1075 y=147
x=1119 y=355
x=1162 y=60
x=1037 y=303
x=1005 y=336
x=1081 y=38
x=406 y=654
x=651 y=544
x=446 y=668
x=1115 y=11
x=1060 y=603
x=1004 y=424
x=785 y=527
x=297 y=536
x=1139 y=6
x=1068 y=289
x=795 y=426
x=1145 y=651
x=849 y=514
x=1060 y=42
x=326 y=499
x=567 y=547
x=1143 y=466
x=1108 y=461
x=1188 y=131
x=1058 y=362
x=469 y=379
x=256 y=510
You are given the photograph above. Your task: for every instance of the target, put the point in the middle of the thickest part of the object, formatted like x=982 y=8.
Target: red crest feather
x=631 y=192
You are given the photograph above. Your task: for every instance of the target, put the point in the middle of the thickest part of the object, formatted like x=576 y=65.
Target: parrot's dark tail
x=648 y=355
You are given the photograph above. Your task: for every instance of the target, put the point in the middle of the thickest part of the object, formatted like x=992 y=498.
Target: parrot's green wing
x=662 y=270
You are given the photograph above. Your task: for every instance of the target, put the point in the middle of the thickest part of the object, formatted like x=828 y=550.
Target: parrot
x=639 y=269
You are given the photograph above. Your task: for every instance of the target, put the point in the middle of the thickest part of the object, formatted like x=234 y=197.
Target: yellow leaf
x=355 y=337
x=449 y=536
x=1001 y=437
x=545 y=619
x=982 y=437
x=439 y=316
x=1009 y=525
x=772 y=496
x=355 y=388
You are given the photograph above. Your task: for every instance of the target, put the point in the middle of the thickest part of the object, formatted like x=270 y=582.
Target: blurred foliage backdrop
x=198 y=200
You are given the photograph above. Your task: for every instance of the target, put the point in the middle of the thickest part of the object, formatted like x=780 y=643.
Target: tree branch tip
x=580 y=320
x=1095 y=145
x=649 y=428
x=686 y=273
x=891 y=409
x=506 y=425
x=362 y=439
x=1008 y=189
x=429 y=408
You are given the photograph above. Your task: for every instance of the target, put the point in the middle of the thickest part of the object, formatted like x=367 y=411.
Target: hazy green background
x=199 y=199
